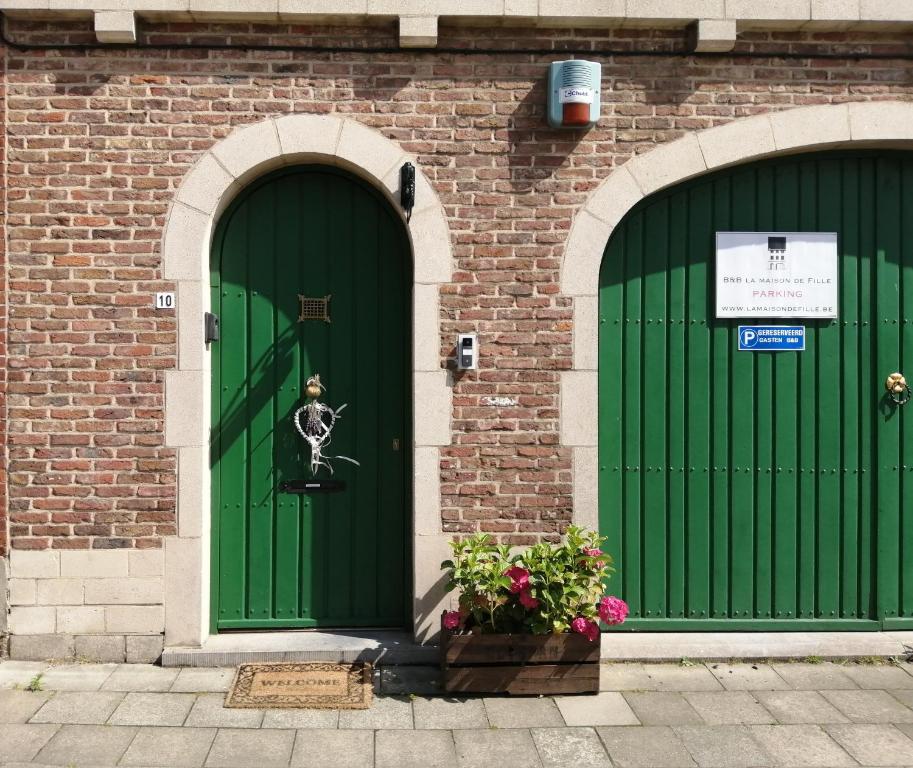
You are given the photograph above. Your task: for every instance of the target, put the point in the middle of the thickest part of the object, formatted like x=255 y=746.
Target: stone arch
x=887 y=124
x=204 y=193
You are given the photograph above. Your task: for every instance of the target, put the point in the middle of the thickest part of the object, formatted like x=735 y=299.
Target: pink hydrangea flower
x=527 y=600
x=613 y=610
x=594 y=552
x=519 y=578
x=590 y=629
x=451 y=619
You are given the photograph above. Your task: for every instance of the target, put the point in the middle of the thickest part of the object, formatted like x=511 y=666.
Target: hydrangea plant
x=545 y=589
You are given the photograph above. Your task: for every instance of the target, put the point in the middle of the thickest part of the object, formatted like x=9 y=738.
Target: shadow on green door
x=288 y=560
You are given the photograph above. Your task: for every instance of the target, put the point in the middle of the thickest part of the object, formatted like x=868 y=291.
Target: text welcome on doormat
x=302 y=685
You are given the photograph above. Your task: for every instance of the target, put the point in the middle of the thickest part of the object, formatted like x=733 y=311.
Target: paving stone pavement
x=648 y=715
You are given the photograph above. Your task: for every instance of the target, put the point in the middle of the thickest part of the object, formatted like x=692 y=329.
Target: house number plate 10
x=164 y=300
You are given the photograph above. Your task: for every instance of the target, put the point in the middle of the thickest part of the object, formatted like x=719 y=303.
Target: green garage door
x=747 y=490
x=334 y=559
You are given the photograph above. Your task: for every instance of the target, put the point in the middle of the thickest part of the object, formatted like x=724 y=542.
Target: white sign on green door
x=776 y=274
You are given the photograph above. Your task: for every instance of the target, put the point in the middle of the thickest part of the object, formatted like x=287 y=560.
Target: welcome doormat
x=304 y=685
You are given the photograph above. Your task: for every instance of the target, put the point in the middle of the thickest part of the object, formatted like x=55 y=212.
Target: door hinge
x=211 y=327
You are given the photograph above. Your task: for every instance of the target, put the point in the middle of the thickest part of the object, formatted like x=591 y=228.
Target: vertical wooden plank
x=785 y=428
x=850 y=503
x=887 y=271
x=370 y=352
x=809 y=402
x=742 y=432
x=309 y=268
x=869 y=389
x=905 y=459
x=287 y=443
x=654 y=472
x=764 y=427
x=341 y=388
x=612 y=507
x=721 y=565
x=233 y=419
x=329 y=349
x=678 y=404
x=392 y=309
x=829 y=415
x=318 y=253
x=633 y=367
x=260 y=392
x=700 y=243
x=215 y=440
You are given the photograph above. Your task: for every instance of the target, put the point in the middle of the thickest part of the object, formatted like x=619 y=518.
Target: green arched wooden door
x=335 y=559
x=746 y=490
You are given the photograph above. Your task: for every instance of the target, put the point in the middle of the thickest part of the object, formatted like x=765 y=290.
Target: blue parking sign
x=771 y=338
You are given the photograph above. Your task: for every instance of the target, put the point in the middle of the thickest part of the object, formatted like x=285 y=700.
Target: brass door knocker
x=898 y=389
x=319 y=420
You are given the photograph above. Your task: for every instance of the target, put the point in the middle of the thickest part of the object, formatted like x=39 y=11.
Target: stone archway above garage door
x=207 y=189
x=858 y=124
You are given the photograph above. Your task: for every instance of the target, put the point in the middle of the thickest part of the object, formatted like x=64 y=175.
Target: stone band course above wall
x=602 y=13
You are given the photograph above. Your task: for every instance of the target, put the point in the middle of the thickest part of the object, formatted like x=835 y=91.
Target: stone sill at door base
x=231 y=648
x=721 y=646
x=386 y=648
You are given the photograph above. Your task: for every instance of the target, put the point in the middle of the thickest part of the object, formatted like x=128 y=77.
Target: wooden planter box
x=519 y=664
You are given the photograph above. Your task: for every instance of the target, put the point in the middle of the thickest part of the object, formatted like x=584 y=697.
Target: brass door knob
x=896 y=385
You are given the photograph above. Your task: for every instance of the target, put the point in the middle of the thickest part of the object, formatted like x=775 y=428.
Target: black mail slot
x=312 y=486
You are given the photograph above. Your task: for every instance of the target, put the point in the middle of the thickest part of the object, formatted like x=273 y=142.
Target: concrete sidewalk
x=790 y=714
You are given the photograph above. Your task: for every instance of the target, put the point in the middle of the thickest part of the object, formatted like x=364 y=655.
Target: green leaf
x=563 y=579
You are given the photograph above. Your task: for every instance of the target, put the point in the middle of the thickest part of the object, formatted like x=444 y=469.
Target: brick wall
x=4 y=539
x=99 y=140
